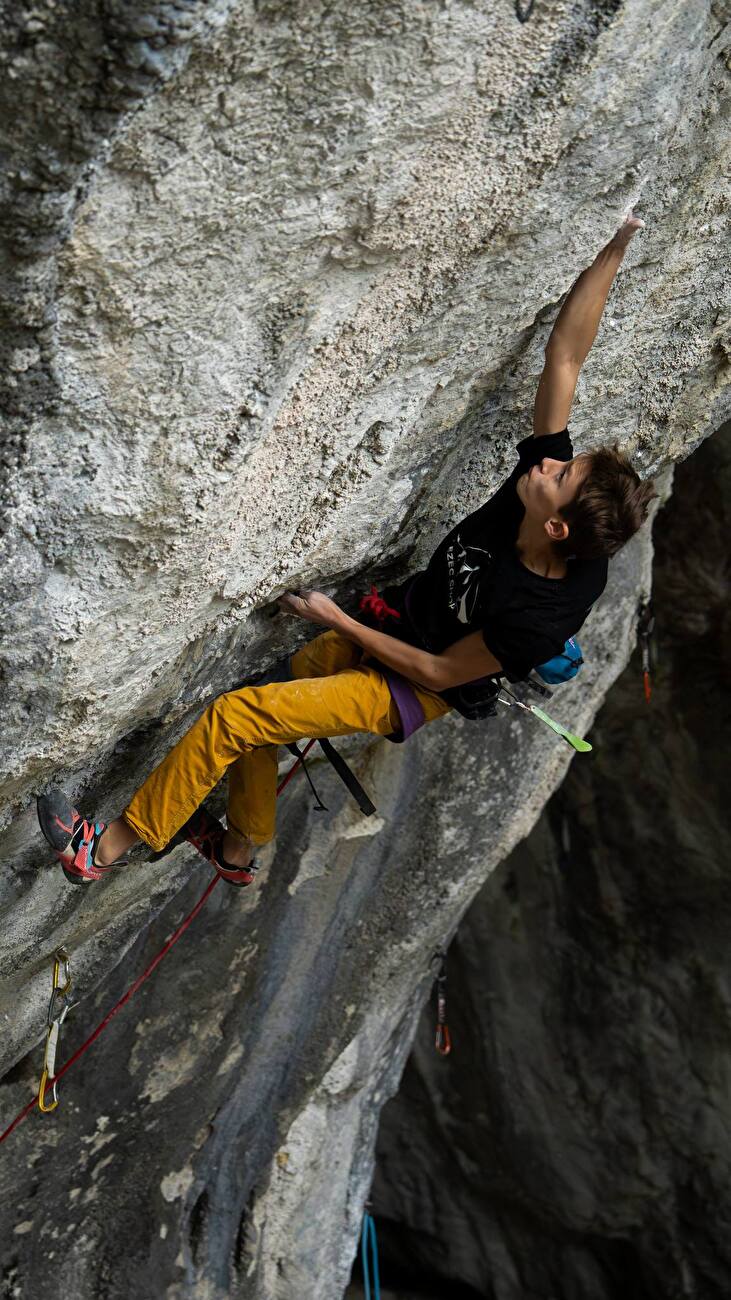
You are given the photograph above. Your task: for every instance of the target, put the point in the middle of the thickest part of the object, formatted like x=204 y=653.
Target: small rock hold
x=24 y=358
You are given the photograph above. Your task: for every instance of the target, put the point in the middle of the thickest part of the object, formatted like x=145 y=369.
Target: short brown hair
x=611 y=503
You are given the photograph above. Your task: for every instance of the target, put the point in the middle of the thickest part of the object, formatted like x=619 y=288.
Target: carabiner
x=58 y=1008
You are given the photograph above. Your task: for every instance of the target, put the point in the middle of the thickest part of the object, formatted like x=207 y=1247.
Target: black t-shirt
x=475 y=580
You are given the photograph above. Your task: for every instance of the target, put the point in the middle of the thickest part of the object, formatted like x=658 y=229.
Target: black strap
x=349 y=778
x=295 y=749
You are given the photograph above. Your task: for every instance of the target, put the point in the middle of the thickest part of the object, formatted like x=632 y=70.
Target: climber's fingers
x=311 y=605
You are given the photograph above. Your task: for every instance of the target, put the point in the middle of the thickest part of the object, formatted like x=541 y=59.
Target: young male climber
x=502 y=594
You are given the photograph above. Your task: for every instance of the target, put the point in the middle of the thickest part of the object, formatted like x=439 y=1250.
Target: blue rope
x=368 y=1235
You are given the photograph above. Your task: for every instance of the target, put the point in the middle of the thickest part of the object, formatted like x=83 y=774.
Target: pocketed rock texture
x=576 y=1142
x=275 y=286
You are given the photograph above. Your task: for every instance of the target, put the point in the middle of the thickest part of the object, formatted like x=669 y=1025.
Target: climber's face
x=549 y=486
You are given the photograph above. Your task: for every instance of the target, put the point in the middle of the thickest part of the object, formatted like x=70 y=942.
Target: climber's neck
x=535 y=550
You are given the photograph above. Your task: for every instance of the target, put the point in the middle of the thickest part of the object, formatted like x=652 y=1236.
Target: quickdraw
x=581 y=746
x=58 y=1009
x=645 y=629
x=442 y=1037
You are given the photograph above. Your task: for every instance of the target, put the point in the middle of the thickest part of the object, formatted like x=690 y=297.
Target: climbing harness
x=58 y=1009
x=582 y=746
x=58 y=990
x=368 y=1241
x=645 y=629
x=476 y=700
x=442 y=1037
x=521 y=13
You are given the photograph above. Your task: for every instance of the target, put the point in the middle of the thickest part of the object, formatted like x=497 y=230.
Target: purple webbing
x=407 y=702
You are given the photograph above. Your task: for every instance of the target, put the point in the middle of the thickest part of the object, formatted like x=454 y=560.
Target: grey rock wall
x=276 y=283
x=576 y=1141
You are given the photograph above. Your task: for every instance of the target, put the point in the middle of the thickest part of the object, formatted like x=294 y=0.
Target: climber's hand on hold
x=311 y=605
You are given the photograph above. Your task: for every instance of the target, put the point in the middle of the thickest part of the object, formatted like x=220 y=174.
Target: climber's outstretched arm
x=577 y=322
x=556 y=389
x=462 y=662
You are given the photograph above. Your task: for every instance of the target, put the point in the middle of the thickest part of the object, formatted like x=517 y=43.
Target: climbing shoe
x=64 y=828
x=205 y=833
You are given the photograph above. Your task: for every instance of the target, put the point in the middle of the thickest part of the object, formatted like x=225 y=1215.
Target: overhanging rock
x=283 y=326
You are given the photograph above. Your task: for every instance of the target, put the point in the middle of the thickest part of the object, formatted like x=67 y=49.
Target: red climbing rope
x=146 y=973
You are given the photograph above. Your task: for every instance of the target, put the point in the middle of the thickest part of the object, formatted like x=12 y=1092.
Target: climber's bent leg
x=355 y=699
x=339 y=695
x=330 y=652
x=252 y=795
x=252 y=779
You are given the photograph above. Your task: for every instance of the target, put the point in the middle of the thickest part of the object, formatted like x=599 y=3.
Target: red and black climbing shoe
x=73 y=839
x=205 y=832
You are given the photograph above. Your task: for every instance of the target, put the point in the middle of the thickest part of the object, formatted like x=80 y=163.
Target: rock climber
x=501 y=594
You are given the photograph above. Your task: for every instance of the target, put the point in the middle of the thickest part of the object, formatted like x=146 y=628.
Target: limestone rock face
x=576 y=1141
x=275 y=287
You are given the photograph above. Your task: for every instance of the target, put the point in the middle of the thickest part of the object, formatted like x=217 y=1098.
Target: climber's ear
x=556 y=528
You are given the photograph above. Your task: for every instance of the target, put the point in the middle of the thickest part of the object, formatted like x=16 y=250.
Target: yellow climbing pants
x=334 y=694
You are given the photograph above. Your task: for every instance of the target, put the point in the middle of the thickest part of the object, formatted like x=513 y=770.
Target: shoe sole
x=55 y=817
